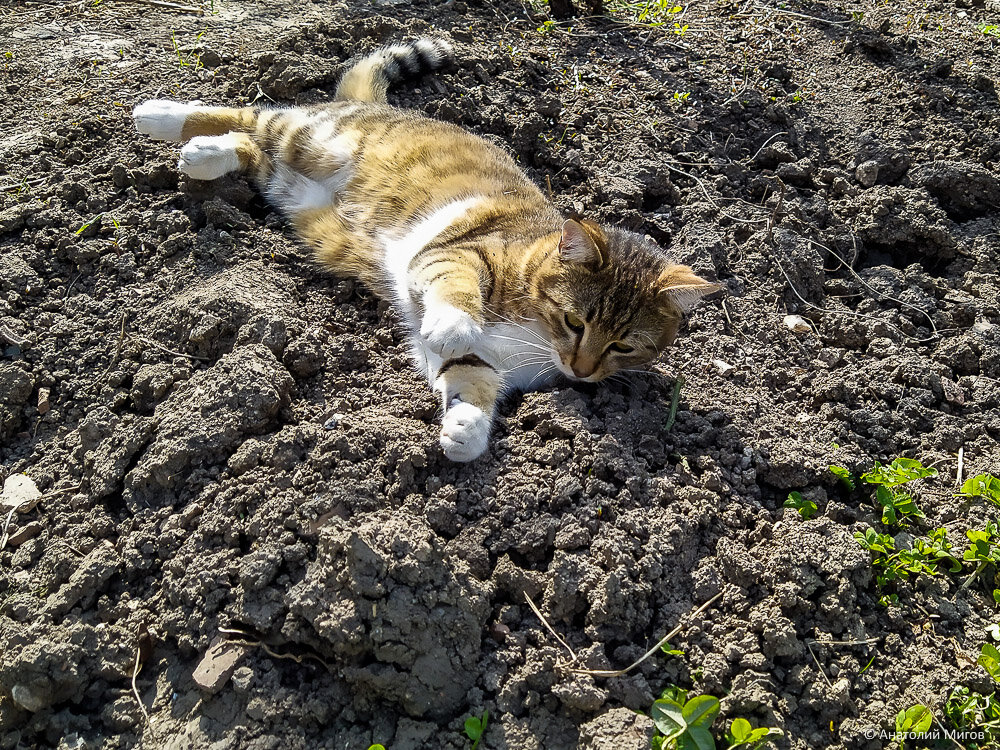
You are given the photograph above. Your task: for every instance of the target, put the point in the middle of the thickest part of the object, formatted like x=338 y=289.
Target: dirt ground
x=228 y=439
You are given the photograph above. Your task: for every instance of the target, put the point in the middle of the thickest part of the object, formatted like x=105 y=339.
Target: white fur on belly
x=401 y=249
x=295 y=193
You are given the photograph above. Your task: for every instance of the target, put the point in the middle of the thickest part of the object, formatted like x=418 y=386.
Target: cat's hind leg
x=207 y=157
x=165 y=120
x=469 y=387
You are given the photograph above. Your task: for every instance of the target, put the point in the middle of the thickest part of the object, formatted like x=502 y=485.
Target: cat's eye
x=574 y=323
x=621 y=346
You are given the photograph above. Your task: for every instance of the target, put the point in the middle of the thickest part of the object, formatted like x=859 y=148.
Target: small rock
x=724 y=368
x=867 y=173
x=27 y=699
x=29 y=531
x=21 y=492
x=218 y=664
x=43 y=401
x=797 y=323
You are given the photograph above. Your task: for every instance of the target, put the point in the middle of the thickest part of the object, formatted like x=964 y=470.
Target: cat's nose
x=584 y=367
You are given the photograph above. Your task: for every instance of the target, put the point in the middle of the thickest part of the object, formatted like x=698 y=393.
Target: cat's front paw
x=465 y=431
x=162 y=119
x=207 y=157
x=450 y=332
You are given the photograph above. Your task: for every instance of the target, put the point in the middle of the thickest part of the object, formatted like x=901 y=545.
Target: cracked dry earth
x=240 y=473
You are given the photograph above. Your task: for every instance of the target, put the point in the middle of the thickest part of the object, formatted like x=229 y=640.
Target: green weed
x=741 y=733
x=806 y=508
x=967 y=709
x=684 y=723
x=88 y=224
x=646 y=12
x=843 y=475
x=916 y=718
x=982 y=485
x=984 y=549
x=900 y=471
x=475 y=727
x=924 y=556
x=989 y=29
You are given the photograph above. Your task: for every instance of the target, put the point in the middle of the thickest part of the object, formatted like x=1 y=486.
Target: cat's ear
x=682 y=288
x=583 y=242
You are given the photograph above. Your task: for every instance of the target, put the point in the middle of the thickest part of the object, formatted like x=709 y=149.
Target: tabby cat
x=499 y=291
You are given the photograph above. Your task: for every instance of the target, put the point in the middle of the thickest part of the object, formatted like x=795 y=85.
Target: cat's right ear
x=682 y=288
x=581 y=244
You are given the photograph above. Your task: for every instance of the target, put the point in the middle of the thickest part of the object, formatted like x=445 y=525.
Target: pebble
x=21 y=492
x=797 y=323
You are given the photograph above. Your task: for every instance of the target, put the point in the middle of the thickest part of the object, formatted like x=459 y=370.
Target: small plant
x=645 y=12
x=89 y=224
x=923 y=557
x=806 y=508
x=741 y=733
x=681 y=96
x=181 y=61
x=989 y=659
x=475 y=727
x=684 y=723
x=376 y=746
x=900 y=471
x=915 y=719
x=984 y=549
x=680 y=30
x=843 y=475
x=897 y=507
x=670 y=650
x=983 y=485
x=546 y=27
x=967 y=709
x=989 y=29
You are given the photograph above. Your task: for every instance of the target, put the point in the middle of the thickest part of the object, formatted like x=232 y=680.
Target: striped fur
x=370 y=78
x=499 y=291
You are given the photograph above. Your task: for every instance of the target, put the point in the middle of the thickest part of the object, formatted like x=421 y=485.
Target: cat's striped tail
x=369 y=78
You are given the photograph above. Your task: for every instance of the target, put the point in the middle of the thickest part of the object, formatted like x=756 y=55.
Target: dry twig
x=673 y=633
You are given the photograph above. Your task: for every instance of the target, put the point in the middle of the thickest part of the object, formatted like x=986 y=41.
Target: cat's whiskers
x=521 y=341
x=539 y=374
x=524 y=328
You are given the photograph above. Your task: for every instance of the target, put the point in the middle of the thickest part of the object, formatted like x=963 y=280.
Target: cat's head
x=611 y=300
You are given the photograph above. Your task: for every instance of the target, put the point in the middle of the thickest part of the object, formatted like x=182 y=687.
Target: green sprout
x=984 y=549
x=923 y=557
x=684 y=723
x=843 y=475
x=475 y=726
x=900 y=471
x=806 y=508
x=982 y=485
x=915 y=719
x=741 y=733
x=88 y=224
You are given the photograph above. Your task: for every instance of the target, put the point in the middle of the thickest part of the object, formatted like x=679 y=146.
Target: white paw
x=465 y=431
x=450 y=332
x=161 y=119
x=206 y=157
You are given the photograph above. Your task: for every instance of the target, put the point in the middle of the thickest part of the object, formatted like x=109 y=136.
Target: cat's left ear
x=583 y=242
x=682 y=288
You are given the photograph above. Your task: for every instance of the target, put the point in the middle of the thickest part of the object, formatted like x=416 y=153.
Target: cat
x=500 y=291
